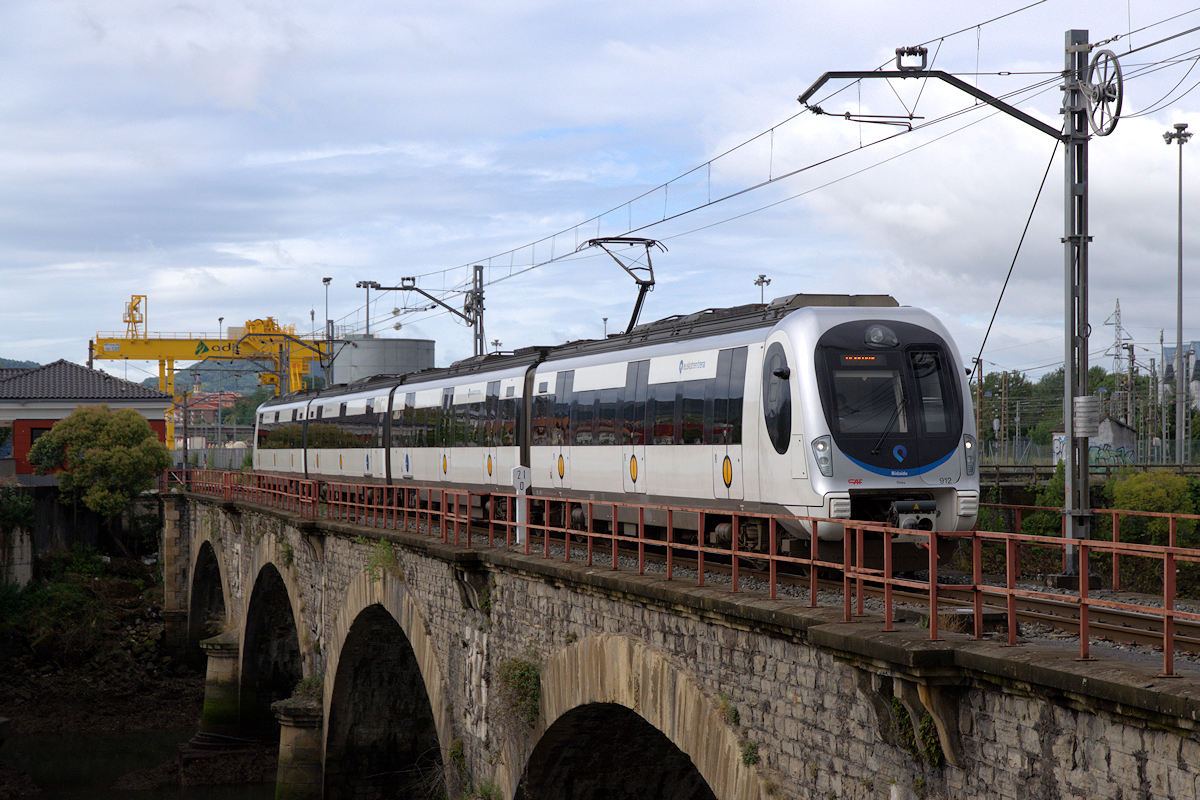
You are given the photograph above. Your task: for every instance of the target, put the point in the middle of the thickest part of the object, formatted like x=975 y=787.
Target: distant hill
x=230 y=376
x=13 y=362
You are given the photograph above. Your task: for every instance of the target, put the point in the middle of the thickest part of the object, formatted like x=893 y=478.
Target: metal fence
x=230 y=458
x=566 y=528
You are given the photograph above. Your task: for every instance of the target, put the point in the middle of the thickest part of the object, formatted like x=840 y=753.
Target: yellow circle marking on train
x=633 y=468
x=727 y=472
x=562 y=467
x=489 y=465
x=443 y=465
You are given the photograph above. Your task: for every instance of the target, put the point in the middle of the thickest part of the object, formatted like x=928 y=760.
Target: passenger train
x=833 y=406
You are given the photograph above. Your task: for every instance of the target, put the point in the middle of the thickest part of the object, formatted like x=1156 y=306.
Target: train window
x=777 y=397
x=477 y=431
x=662 y=414
x=869 y=401
x=927 y=371
x=606 y=416
x=633 y=404
x=510 y=409
x=583 y=412
x=445 y=419
x=737 y=390
x=423 y=427
x=562 y=407
x=404 y=427
x=464 y=425
x=716 y=403
x=491 y=415
x=691 y=411
x=541 y=419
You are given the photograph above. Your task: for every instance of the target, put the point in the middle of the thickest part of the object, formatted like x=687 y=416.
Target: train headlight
x=969 y=453
x=822 y=448
x=880 y=336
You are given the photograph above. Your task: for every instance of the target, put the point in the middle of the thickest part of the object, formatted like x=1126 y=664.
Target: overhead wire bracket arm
x=957 y=83
x=410 y=285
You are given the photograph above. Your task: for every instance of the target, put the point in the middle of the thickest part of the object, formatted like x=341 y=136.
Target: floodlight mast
x=1092 y=96
x=636 y=271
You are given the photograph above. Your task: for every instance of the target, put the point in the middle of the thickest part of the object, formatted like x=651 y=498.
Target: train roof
x=680 y=327
x=717 y=321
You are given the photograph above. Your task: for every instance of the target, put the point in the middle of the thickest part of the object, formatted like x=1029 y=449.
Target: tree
x=242 y=410
x=107 y=457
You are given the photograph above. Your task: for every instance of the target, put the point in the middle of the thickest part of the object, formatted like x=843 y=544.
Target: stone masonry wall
x=814 y=696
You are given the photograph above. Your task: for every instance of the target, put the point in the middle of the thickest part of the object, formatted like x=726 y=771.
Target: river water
x=85 y=766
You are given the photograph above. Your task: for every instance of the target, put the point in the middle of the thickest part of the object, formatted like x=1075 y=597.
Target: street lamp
x=220 y=376
x=368 y=285
x=328 y=335
x=762 y=282
x=1181 y=136
x=328 y=321
x=605 y=326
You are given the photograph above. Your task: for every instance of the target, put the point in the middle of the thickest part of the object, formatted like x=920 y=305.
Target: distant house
x=33 y=399
x=1116 y=443
x=1191 y=374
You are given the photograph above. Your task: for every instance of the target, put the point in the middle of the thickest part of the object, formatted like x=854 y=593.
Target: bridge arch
x=272 y=659
x=382 y=664
x=609 y=677
x=208 y=609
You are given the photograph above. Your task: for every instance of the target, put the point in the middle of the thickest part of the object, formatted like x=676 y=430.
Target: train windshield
x=892 y=402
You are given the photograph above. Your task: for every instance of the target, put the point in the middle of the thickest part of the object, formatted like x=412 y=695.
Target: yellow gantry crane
x=286 y=356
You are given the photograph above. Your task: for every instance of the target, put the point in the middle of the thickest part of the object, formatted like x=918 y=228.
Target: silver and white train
x=831 y=406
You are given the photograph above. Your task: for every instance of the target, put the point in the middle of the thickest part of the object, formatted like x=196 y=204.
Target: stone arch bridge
x=393 y=664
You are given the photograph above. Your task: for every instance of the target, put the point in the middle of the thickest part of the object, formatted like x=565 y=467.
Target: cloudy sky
x=223 y=157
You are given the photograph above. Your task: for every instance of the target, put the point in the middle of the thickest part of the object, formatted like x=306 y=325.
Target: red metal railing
x=601 y=528
x=1111 y=516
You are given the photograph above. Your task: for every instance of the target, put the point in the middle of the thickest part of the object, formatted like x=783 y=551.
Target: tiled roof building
x=33 y=399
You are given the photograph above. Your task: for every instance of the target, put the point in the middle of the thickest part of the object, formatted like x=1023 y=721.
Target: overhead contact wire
x=1013 y=264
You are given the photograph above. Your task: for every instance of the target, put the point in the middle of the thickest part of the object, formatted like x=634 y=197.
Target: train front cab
x=888 y=420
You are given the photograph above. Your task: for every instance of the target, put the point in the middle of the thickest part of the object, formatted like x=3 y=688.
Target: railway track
x=1123 y=625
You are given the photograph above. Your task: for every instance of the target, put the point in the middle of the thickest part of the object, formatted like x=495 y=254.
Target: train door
x=633 y=427
x=777 y=402
x=446 y=435
x=492 y=432
x=560 y=433
x=403 y=436
x=728 y=390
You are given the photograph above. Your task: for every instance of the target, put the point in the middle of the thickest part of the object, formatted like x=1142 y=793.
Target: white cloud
x=224 y=157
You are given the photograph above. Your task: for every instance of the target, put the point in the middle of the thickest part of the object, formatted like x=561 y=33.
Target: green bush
x=520 y=687
x=1154 y=491
x=1051 y=494
x=64 y=622
x=16 y=507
